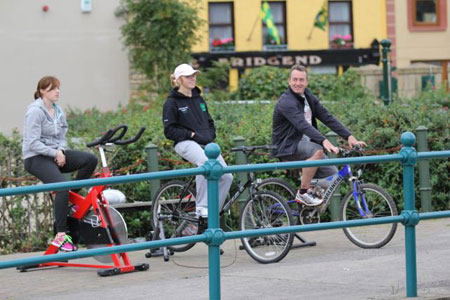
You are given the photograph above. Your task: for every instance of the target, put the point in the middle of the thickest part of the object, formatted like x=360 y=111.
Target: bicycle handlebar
x=101 y=140
x=124 y=128
x=132 y=140
x=357 y=149
x=109 y=137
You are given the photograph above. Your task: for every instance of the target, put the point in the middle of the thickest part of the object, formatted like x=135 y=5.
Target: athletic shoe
x=307 y=199
x=64 y=243
x=189 y=230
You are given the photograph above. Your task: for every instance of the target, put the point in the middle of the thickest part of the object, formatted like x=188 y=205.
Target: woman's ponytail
x=37 y=94
x=173 y=81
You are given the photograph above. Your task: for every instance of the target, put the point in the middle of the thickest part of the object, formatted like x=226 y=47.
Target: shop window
x=278 y=11
x=340 y=24
x=221 y=27
x=427 y=15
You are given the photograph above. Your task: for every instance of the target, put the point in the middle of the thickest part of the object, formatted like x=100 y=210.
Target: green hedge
x=368 y=118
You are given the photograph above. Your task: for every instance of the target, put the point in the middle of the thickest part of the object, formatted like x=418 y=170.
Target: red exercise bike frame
x=96 y=202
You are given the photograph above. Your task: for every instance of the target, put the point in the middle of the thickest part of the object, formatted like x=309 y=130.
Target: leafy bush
x=159 y=36
x=270 y=82
x=25 y=220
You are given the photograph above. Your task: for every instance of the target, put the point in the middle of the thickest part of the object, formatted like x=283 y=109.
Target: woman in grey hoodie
x=45 y=152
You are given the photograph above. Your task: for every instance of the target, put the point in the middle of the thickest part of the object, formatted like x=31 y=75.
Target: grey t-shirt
x=308 y=117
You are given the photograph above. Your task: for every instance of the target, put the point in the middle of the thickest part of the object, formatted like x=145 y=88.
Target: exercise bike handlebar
x=110 y=138
x=133 y=139
x=114 y=138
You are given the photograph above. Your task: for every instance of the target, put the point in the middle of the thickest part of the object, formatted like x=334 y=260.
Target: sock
x=303 y=191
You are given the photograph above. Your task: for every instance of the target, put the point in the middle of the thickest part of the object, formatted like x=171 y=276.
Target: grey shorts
x=305 y=150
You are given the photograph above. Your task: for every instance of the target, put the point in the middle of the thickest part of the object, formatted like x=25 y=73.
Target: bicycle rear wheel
x=265 y=209
x=379 y=204
x=174 y=208
x=285 y=190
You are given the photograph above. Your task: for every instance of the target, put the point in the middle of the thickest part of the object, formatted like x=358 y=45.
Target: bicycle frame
x=358 y=196
x=251 y=183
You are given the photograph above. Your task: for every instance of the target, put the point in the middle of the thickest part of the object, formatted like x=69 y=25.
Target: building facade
x=235 y=31
x=420 y=33
x=79 y=45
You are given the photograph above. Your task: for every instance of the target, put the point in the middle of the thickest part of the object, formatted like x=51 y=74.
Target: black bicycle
x=173 y=215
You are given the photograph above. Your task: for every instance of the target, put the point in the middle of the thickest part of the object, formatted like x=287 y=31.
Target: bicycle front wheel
x=173 y=210
x=379 y=204
x=265 y=209
x=285 y=190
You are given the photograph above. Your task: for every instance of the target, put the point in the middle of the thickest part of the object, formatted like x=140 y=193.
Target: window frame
x=350 y=22
x=231 y=24
x=270 y=47
x=441 y=17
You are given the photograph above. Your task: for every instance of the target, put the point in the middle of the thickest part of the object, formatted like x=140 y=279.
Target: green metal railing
x=215 y=236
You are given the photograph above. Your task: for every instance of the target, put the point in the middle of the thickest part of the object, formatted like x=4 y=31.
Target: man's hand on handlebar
x=352 y=142
x=329 y=147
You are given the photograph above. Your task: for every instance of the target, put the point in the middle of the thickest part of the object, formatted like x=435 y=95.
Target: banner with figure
x=321 y=19
x=267 y=17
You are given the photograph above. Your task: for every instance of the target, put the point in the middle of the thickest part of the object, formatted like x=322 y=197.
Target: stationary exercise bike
x=94 y=223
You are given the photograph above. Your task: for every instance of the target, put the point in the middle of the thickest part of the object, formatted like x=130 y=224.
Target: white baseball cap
x=184 y=70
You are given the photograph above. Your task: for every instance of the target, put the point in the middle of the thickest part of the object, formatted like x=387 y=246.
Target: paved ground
x=334 y=269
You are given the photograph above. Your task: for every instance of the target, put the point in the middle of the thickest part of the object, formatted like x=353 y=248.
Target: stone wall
x=409 y=78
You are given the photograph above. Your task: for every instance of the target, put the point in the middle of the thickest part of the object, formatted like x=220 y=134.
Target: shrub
x=270 y=82
x=159 y=36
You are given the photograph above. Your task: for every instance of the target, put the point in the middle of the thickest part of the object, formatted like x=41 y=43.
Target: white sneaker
x=307 y=199
x=190 y=229
x=202 y=212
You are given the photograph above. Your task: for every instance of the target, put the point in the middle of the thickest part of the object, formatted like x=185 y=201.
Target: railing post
x=424 y=170
x=152 y=166
x=242 y=177
x=215 y=235
x=335 y=203
x=386 y=92
x=411 y=217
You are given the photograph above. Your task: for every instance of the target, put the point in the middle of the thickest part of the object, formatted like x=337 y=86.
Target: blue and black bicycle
x=363 y=201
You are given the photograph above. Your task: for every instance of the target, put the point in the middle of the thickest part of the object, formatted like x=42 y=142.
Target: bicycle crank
x=309 y=215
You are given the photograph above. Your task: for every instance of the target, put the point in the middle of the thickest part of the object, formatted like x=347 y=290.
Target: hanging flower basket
x=223 y=44
x=341 y=42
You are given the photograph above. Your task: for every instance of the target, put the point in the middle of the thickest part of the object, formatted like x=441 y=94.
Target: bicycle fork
x=360 y=199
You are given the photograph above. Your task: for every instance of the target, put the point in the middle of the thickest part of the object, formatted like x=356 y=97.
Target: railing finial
x=212 y=150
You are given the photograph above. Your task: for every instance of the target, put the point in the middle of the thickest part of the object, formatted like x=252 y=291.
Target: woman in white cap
x=188 y=123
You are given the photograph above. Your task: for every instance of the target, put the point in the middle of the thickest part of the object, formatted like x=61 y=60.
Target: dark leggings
x=46 y=169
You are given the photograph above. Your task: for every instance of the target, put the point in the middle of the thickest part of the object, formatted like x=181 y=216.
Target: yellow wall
x=369 y=22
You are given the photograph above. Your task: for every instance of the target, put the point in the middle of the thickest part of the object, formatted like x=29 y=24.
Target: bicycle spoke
x=266 y=210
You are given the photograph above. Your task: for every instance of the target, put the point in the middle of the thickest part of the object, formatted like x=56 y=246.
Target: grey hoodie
x=43 y=134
